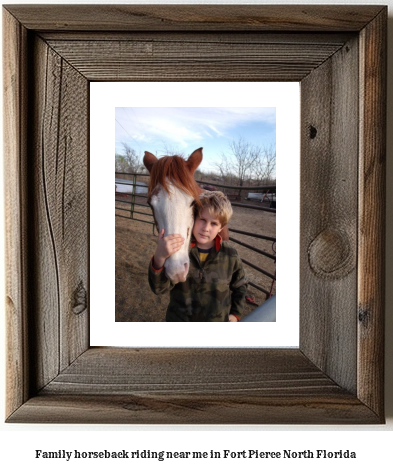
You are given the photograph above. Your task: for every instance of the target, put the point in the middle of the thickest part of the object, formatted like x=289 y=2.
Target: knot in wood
x=80 y=299
x=363 y=315
x=330 y=254
x=313 y=132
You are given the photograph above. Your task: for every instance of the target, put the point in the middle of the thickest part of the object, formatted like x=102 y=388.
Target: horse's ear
x=148 y=160
x=194 y=160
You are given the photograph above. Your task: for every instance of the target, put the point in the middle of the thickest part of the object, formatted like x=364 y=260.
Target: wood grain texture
x=328 y=253
x=197 y=386
x=164 y=371
x=372 y=199
x=194 y=409
x=14 y=148
x=201 y=37
x=335 y=376
x=186 y=59
x=201 y=18
x=59 y=189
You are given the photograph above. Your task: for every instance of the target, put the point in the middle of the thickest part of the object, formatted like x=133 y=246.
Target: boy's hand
x=233 y=319
x=166 y=246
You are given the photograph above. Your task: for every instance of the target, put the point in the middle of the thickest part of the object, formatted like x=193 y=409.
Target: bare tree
x=265 y=165
x=128 y=162
x=170 y=150
x=224 y=168
x=241 y=162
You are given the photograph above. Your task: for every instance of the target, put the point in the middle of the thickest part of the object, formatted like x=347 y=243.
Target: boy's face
x=206 y=228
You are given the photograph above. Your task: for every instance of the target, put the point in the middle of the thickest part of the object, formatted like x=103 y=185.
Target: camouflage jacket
x=211 y=292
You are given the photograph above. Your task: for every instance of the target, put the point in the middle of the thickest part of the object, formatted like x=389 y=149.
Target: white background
x=104 y=97
x=371 y=443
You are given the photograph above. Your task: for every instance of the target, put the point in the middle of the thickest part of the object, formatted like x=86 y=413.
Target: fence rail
x=253 y=188
x=131 y=204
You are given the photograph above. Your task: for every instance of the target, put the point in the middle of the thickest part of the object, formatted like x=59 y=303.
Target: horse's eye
x=192 y=204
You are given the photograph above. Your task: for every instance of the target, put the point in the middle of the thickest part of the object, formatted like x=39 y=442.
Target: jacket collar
x=217 y=242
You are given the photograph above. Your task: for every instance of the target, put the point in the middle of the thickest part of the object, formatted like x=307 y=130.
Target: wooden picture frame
x=338 y=54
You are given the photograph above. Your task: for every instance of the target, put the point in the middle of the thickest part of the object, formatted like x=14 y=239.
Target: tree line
x=244 y=164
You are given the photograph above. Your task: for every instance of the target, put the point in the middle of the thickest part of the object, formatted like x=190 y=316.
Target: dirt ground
x=136 y=243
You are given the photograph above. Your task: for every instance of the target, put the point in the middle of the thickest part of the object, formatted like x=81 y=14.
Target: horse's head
x=172 y=192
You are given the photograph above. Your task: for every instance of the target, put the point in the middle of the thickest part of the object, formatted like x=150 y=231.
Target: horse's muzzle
x=179 y=274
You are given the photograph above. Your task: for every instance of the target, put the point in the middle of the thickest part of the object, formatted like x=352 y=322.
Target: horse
x=172 y=194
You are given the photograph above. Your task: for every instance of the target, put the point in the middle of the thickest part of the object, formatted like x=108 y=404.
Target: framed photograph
x=337 y=54
x=212 y=114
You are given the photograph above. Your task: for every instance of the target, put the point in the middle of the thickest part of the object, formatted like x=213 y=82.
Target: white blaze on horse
x=172 y=194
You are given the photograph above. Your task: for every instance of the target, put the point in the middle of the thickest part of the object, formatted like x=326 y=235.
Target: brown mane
x=173 y=169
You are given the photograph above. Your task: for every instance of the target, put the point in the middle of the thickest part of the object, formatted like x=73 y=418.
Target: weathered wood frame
x=338 y=54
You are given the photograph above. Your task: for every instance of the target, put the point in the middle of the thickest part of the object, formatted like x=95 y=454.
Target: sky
x=160 y=130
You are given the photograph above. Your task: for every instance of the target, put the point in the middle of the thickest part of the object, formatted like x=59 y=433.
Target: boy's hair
x=217 y=204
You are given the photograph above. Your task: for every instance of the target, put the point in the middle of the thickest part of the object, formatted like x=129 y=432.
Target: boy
x=216 y=284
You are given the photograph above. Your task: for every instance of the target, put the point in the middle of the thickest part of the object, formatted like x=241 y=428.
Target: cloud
x=184 y=125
